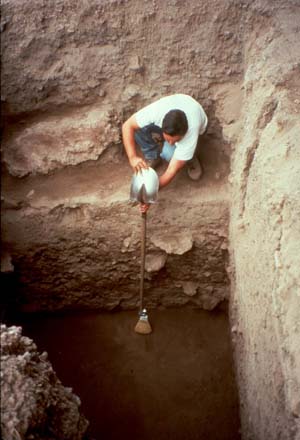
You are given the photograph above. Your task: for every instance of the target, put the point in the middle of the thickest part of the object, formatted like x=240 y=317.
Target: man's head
x=174 y=125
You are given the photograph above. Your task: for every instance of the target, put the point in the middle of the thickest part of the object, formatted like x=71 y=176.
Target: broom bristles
x=143 y=327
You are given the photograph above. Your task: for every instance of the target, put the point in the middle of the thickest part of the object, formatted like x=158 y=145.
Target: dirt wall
x=265 y=234
x=79 y=247
x=71 y=74
x=73 y=71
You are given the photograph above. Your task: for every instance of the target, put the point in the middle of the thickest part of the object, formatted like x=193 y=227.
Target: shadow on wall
x=212 y=149
x=10 y=296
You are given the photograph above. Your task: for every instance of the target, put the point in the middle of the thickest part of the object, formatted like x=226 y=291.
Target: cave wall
x=265 y=234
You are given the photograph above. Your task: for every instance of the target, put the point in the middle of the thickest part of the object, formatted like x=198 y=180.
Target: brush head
x=143 y=327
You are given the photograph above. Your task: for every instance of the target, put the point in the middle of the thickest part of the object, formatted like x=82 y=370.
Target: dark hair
x=175 y=123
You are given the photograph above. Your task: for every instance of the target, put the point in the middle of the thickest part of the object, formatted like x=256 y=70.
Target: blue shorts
x=152 y=144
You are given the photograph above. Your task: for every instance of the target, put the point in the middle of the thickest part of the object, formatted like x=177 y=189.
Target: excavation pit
x=72 y=73
x=176 y=383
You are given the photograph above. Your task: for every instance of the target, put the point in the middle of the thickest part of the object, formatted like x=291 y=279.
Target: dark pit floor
x=176 y=383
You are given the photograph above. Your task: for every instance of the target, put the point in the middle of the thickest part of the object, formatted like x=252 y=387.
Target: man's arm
x=174 y=166
x=128 y=129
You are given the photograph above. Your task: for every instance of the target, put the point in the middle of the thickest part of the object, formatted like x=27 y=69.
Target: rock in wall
x=42 y=145
x=265 y=234
x=34 y=403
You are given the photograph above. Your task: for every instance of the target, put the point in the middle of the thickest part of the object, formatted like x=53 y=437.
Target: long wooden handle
x=143 y=257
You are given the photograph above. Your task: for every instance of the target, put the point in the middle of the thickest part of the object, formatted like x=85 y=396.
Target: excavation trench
x=72 y=73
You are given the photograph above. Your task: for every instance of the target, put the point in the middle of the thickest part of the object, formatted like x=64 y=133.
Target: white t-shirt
x=196 y=117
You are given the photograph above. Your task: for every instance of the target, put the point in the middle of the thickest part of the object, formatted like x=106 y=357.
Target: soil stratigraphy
x=71 y=74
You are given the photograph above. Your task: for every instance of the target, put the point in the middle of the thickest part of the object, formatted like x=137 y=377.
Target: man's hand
x=143 y=207
x=174 y=166
x=137 y=163
x=128 y=130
